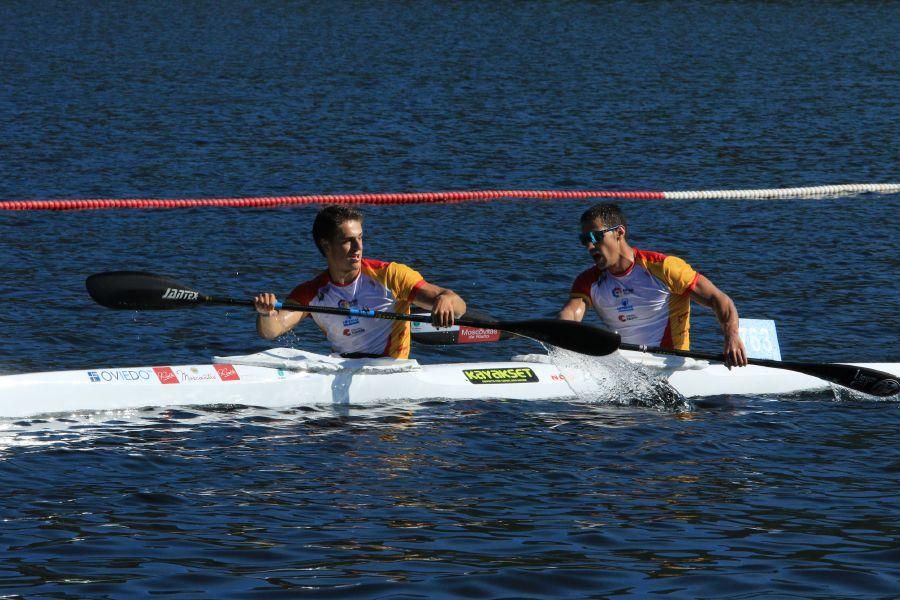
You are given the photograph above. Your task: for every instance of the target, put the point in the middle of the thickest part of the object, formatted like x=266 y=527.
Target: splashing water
x=614 y=379
x=842 y=394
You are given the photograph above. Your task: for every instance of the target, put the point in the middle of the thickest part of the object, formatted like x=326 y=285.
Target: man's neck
x=626 y=259
x=342 y=277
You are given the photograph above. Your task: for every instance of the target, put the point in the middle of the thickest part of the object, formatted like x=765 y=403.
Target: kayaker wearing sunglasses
x=351 y=281
x=644 y=296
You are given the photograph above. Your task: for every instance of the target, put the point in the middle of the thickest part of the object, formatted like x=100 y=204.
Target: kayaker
x=644 y=296
x=351 y=281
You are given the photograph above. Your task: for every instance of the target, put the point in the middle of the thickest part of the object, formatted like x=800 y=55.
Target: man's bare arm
x=707 y=294
x=445 y=304
x=573 y=310
x=271 y=323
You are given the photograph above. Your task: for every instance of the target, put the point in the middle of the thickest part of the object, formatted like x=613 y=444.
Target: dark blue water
x=739 y=497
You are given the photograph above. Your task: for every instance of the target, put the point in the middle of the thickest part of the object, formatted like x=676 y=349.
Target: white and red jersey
x=649 y=304
x=380 y=286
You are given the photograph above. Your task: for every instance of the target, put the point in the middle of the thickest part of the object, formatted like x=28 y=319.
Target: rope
x=794 y=192
x=446 y=197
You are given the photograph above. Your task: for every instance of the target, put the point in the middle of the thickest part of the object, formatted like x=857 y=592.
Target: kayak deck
x=284 y=377
x=270 y=387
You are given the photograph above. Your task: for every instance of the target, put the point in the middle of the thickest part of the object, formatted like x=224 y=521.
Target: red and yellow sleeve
x=581 y=288
x=306 y=291
x=403 y=281
x=678 y=275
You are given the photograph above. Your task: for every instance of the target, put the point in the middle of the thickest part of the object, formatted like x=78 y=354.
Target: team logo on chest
x=350 y=320
x=625 y=306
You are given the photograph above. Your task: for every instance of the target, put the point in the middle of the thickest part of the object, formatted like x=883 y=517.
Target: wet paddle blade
x=137 y=290
x=583 y=338
x=860 y=379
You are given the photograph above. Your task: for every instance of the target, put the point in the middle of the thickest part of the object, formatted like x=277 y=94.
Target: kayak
x=287 y=377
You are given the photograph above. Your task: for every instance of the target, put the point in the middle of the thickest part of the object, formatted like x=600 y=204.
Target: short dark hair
x=329 y=219
x=610 y=214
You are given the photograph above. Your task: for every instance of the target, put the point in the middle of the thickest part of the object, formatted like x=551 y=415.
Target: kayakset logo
x=176 y=294
x=520 y=375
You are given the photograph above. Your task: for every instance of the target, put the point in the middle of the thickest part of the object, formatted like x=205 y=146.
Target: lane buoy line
x=450 y=197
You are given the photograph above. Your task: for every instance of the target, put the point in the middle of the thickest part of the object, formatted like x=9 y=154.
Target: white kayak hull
x=289 y=378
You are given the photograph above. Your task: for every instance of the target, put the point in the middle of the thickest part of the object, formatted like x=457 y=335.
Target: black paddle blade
x=861 y=379
x=136 y=290
x=583 y=338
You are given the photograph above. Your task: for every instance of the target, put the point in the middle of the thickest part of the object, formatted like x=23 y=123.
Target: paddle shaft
x=861 y=379
x=349 y=312
x=570 y=335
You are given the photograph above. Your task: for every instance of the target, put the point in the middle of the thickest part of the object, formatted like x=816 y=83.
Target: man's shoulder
x=306 y=291
x=380 y=268
x=375 y=264
x=592 y=273
x=659 y=260
x=649 y=256
x=401 y=279
x=674 y=271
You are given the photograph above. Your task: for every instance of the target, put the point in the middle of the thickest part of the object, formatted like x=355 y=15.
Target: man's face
x=604 y=248
x=344 y=250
